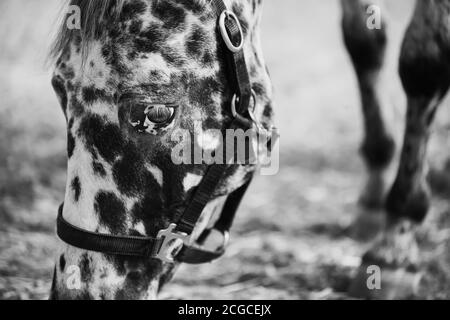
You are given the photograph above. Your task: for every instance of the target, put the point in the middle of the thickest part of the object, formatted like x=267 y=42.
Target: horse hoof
x=375 y=283
x=367 y=226
x=371 y=201
x=373 y=195
x=439 y=180
x=390 y=269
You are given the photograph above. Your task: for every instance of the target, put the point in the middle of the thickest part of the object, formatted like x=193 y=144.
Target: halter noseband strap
x=232 y=42
x=147 y=247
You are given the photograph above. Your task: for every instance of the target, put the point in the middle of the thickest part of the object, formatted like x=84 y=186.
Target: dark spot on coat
x=62 y=263
x=111 y=211
x=259 y=89
x=85 y=268
x=132 y=9
x=76 y=107
x=132 y=55
x=196 y=43
x=135 y=27
x=268 y=111
x=106 y=51
x=113 y=58
x=105 y=137
x=149 y=212
x=173 y=57
x=76 y=187
x=208 y=59
x=136 y=285
x=171 y=15
x=135 y=233
x=98 y=168
x=138 y=280
x=85 y=295
x=70 y=144
x=67 y=72
x=92 y=94
x=156 y=76
x=115 y=33
x=200 y=91
x=128 y=172
x=195 y=6
x=151 y=39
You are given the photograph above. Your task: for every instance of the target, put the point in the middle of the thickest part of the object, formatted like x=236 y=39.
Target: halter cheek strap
x=161 y=247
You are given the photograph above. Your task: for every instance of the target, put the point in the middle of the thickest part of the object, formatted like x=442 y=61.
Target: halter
x=161 y=247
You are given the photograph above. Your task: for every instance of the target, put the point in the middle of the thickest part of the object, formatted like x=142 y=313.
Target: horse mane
x=93 y=14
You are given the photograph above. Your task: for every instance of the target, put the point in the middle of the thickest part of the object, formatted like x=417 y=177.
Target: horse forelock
x=94 y=14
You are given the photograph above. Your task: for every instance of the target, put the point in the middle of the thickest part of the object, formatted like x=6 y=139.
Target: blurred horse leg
x=366 y=47
x=439 y=179
x=425 y=74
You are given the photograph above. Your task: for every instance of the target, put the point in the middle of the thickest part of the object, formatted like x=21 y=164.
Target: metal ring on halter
x=227 y=14
x=235 y=100
x=260 y=128
x=225 y=236
x=226 y=239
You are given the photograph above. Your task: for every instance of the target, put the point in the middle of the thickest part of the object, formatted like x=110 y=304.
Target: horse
x=137 y=70
x=131 y=76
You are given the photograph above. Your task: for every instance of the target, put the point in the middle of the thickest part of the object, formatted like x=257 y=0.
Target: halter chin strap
x=162 y=247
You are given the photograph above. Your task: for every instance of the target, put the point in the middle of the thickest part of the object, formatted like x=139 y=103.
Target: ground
x=291 y=238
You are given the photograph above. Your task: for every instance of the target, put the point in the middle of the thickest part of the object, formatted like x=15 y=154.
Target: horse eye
x=160 y=114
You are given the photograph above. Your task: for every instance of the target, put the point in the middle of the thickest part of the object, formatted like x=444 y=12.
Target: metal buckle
x=227 y=14
x=165 y=253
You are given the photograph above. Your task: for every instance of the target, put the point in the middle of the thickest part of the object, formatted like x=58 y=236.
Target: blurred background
x=290 y=237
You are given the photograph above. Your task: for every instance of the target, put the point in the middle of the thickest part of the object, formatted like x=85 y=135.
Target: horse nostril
x=269 y=144
x=272 y=139
x=135 y=276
